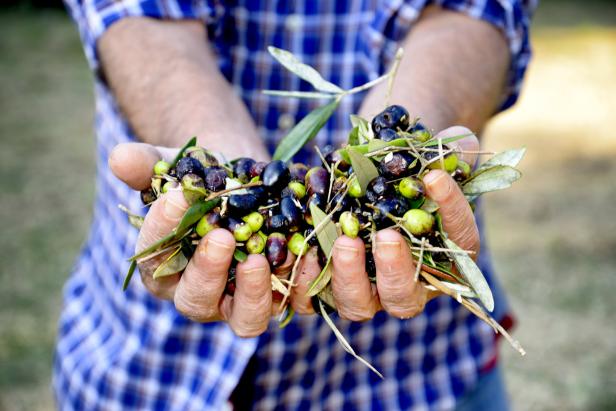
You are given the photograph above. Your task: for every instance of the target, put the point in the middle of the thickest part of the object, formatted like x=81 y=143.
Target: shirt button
x=285 y=121
x=293 y=22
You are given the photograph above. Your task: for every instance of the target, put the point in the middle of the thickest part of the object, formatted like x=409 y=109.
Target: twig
x=228 y=190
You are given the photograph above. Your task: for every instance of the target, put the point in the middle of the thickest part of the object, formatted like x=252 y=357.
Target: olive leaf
x=134 y=219
x=289 y=314
x=325 y=229
x=345 y=344
x=191 y=216
x=304 y=131
x=364 y=129
x=353 y=136
x=192 y=142
x=435 y=141
x=321 y=281
x=491 y=179
x=175 y=263
x=363 y=168
x=296 y=94
x=469 y=270
x=239 y=255
x=303 y=71
x=509 y=158
x=129 y=275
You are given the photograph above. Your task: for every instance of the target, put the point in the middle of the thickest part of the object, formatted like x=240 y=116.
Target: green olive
x=349 y=223
x=254 y=220
x=298 y=189
x=256 y=243
x=161 y=167
x=242 y=232
x=411 y=188
x=450 y=160
x=354 y=188
x=207 y=223
x=418 y=222
x=296 y=244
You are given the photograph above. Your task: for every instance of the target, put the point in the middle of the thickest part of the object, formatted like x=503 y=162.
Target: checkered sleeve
x=95 y=17
x=511 y=17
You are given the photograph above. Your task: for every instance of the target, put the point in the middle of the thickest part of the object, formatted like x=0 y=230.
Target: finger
x=252 y=301
x=308 y=270
x=355 y=298
x=467 y=147
x=283 y=270
x=133 y=163
x=456 y=212
x=399 y=293
x=201 y=287
x=163 y=216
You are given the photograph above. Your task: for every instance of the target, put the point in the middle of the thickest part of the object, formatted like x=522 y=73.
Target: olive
x=411 y=188
x=161 y=167
x=298 y=172
x=242 y=203
x=394 y=165
x=241 y=169
x=230 y=223
x=462 y=171
x=193 y=188
x=344 y=201
x=377 y=188
x=349 y=224
x=276 y=249
x=242 y=232
x=169 y=185
x=256 y=243
x=450 y=160
x=207 y=223
x=313 y=241
x=296 y=244
x=317 y=181
x=258 y=192
x=148 y=196
x=257 y=169
x=275 y=176
x=276 y=222
x=388 y=205
x=354 y=188
x=297 y=189
x=254 y=220
x=394 y=117
x=203 y=156
x=418 y=126
x=291 y=212
x=319 y=201
x=334 y=157
x=189 y=165
x=215 y=178
x=387 y=134
x=418 y=222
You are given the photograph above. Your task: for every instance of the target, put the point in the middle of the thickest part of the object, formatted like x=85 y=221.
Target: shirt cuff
x=95 y=17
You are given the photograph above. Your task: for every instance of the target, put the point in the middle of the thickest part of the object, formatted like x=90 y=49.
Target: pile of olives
x=267 y=205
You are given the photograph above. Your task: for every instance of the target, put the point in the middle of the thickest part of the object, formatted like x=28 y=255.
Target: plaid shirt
x=127 y=350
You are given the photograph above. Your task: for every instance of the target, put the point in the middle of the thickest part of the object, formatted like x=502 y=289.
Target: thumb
x=133 y=163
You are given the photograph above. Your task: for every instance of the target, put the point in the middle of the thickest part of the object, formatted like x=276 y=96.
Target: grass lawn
x=552 y=234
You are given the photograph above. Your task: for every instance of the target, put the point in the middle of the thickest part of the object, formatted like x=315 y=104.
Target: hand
x=198 y=293
x=396 y=290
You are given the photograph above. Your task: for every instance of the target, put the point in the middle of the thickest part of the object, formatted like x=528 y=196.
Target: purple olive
x=393 y=165
x=215 y=178
x=241 y=169
x=317 y=181
x=189 y=165
x=276 y=249
x=257 y=169
x=291 y=212
x=298 y=172
x=377 y=188
x=276 y=222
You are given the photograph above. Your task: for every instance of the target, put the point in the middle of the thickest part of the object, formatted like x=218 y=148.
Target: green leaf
x=509 y=158
x=353 y=137
x=129 y=275
x=376 y=144
x=469 y=270
x=364 y=130
x=364 y=169
x=304 y=131
x=326 y=233
x=492 y=179
x=174 y=264
x=434 y=141
x=290 y=313
x=322 y=280
x=296 y=94
x=303 y=71
x=192 y=142
x=239 y=255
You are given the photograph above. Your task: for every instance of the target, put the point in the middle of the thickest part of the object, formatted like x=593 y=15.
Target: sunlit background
x=553 y=234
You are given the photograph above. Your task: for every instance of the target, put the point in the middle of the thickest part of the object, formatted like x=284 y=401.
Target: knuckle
x=194 y=311
x=357 y=314
x=248 y=330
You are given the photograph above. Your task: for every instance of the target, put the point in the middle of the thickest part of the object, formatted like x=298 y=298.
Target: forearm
x=167 y=83
x=453 y=72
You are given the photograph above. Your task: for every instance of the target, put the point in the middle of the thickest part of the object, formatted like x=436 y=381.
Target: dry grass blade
x=277 y=285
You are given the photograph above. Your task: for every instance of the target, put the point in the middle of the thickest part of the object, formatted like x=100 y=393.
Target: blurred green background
x=553 y=234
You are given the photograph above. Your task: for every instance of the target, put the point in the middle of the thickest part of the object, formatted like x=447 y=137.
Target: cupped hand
x=198 y=293
x=396 y=290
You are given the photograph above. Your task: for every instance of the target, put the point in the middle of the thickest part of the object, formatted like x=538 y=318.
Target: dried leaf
x=469 y=270
x=129 y=275
x=325 y=229
x=192 y=142
x=509 y=158
x=302 y=70
x=430 y=206
x=277 y=285
x=304 y=131
x=134 y=219
x=172 y=265
x=321 y=281
x=365 y=171
x=345 y=344
x=492 y=179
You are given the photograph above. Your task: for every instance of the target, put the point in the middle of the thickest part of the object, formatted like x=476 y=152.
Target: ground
x=552 y=234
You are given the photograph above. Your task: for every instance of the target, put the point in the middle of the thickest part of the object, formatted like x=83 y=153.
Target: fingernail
x=173 y=208
x=215 y=248
x=388 y=250
x=437 y=184
x=346 y=254
x=255 y=271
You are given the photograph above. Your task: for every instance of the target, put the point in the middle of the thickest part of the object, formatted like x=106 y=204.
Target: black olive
x=377 y=188
x=317 y=181
x=276 y=222
x=242 y=203
x=291 y=213
x=298 y=172
x=276 y=249
x=387 y=134
x=189 y=165
x=215 y=178
x=257 y=169
x=241 y=169
x=394 y=117
x=148 y=196
x=275 y=176
x=388 y=205
x=394 y=165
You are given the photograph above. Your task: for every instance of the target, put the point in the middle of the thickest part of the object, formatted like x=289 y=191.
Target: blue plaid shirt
x=127 y=350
